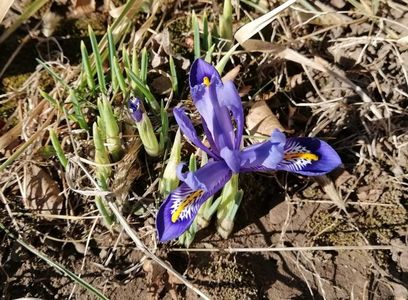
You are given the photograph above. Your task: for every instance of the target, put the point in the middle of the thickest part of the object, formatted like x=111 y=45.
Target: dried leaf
x=261 y=120
x=83 y=7
x=253 y=27
x=326 y=16
x=328 y=186
x=4 y=8
x=51 y=22
x=254 y=45
x=232 y=74
x=127 y=171
x=42 y=193
x=155 y=278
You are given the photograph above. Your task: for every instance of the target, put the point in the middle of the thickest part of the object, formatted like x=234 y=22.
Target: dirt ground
x=363 y=53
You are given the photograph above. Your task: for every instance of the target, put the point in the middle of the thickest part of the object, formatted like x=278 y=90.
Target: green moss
x=327 y=230
x=14 y=82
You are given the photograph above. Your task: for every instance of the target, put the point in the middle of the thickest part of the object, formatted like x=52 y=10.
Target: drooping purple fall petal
x=181 y=206
x=308 y=156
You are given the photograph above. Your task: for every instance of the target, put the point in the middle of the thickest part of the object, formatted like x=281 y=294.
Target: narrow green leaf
x=144 y=89
x=208 y=55
x=223 y=62
x=111 y=128
x=54 y=102
x=143 y=65
x=206 y=46
x=173 y=74
x=87 y=67
x=58 y=149
x=192 y=164
x=111 y=51
x=98 y=61
x=134 y=67
x=53 y=74
x=135 y=63
x=77 y=109
x=164 y=131
x=196 y=33
x=226 y=21
x=126 y=58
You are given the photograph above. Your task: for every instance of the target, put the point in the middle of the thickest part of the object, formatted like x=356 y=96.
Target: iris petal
x=308 y=156
x=180 y=208
x=229 y=97
x=201 y=69
x=207 y=91
x=189 y=131
x=189 y=178
x=263 y=156
x=216 y=116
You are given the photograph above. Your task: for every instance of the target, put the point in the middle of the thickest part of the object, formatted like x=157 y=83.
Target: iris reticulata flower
x=221 y=111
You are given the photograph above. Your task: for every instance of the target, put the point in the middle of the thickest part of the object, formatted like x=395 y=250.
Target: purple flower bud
x=136 y=109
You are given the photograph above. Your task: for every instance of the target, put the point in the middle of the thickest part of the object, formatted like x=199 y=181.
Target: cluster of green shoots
x=125 y=78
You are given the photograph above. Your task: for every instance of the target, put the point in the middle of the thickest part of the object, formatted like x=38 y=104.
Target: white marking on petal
x=297 y=163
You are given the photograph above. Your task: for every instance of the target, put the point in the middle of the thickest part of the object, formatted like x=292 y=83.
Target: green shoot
x=226 y=21
x=164 y=131
x=111 y=128
x=144 y=65
x=144 y=89
x=98 y=61
x=196 y=33
x=173 y=74
x=58 y=149
x=112 y=51
x=223 y=62
x=87 y=68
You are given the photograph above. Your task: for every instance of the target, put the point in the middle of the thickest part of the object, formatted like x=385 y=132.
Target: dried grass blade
x=4 y=8
x=56 y=265
x=250 y=29
x=28 y=12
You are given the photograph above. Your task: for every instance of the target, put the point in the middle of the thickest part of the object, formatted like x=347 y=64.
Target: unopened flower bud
x=144 y=126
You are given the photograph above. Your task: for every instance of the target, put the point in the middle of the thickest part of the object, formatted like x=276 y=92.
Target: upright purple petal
x=206 y=91
x=201 y=69
x=180 y=208
x=188 y=129
x=308 y=156
x=229 y=97
x=263 y=156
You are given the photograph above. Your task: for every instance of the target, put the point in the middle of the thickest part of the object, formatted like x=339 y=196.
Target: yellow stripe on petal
x=186 y=204
x=304 y=155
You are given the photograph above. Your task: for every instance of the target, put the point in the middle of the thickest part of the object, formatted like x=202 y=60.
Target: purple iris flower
x=222 y=118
